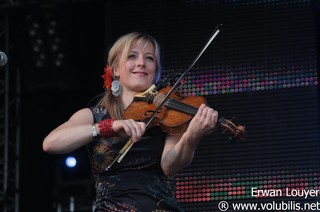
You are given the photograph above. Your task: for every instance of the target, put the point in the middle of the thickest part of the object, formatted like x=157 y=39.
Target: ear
x=116 y=72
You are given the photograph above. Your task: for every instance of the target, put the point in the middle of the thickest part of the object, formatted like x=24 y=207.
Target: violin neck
x=185 y=108
x=181 y=107
x=237 y=131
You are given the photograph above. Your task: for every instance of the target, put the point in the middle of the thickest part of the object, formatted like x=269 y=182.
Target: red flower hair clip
x=107 y=78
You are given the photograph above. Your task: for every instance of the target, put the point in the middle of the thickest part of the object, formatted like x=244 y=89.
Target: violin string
x=181 y=106
x=185 y=108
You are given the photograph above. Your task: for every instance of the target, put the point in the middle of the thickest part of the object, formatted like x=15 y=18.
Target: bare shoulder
x=82 y=116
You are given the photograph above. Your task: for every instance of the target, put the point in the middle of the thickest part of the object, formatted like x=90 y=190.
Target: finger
x=206 y=113
x=216 y=115
x=201 y=108
x=209 y=114
x=210 y=120
x=213 y=119
x=142 y=126
x=128 y=127
x=137 y=131
x=200 y=111
x=119 y=127
x=134 y=128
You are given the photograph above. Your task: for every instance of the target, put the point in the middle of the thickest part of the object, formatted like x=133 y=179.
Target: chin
x=142 y=87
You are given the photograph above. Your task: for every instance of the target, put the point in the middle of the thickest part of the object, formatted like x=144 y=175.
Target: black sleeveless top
x=137 y=183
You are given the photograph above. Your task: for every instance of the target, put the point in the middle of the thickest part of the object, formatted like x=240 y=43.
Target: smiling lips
x=139 y=72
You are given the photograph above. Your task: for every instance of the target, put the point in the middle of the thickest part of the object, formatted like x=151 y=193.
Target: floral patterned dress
x=137 y=183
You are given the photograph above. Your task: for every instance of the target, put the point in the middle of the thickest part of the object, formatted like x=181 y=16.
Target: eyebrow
x=132 y=51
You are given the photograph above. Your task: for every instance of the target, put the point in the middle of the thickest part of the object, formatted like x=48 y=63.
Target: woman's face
x=137 y=70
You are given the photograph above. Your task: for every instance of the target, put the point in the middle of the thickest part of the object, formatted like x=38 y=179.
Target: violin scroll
x=238 y=131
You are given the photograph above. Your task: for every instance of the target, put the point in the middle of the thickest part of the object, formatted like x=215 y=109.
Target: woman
x=144 y=179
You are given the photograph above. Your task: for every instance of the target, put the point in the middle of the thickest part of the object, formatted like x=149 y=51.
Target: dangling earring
x=116 y=87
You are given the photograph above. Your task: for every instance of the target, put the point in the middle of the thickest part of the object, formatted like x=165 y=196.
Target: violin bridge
x=158 y=99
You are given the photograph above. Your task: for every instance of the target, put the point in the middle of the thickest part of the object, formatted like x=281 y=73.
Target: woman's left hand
x=204 y=122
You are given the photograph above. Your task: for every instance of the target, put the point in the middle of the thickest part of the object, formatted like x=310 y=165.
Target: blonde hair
x=123 y=46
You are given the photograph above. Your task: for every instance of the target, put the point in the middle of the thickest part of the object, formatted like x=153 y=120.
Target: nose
x=140 y=62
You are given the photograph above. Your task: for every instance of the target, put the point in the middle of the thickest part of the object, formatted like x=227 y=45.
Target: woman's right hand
x=129 y=128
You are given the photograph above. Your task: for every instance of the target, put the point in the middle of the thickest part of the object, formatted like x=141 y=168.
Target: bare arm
x=179 y=150
x=77 y=132
x=71 y=135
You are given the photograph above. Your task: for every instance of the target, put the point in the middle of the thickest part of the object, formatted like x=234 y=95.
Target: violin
x=176 y=113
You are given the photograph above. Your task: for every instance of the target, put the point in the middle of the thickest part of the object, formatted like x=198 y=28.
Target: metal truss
x=9 y=125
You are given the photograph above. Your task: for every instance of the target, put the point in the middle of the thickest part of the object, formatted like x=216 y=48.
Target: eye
x=151 y=58
x=132 y=56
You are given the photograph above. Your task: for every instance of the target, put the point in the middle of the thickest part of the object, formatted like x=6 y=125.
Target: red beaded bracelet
x=105 y=128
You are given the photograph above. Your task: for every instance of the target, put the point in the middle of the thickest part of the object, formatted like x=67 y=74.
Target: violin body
x=170 y=120
x=175 y=115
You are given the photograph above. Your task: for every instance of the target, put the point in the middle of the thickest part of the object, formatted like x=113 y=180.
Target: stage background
x=261 y=69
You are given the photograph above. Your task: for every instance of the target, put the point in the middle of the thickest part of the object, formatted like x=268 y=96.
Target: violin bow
x=130 y=143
